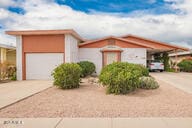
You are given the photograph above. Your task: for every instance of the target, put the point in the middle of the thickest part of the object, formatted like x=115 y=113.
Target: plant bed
x=91 y=101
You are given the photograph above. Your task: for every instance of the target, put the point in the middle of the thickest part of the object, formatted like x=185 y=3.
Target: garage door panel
x=41 y=65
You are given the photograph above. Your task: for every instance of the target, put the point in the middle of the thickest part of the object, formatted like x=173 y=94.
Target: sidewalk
x=18 y=90
x=96 y=123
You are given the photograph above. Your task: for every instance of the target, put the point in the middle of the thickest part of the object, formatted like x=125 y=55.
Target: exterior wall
x=8 y=56
x=3 y=55
x=11 y=57
x=180 y=58
x=19 y=63
x=43 y=43
x=92 y=54
x=131 y=55
x=71 y=49
x=134 y=55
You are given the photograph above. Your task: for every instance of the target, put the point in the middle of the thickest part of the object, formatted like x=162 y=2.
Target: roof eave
x=175 y=47
x=45 y=32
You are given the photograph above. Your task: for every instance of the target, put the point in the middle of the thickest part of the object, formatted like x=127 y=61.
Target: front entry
x=110 y=57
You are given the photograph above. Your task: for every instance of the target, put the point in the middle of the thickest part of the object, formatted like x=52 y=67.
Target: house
x=40 y=51
x=178 y=57
x=7 y=54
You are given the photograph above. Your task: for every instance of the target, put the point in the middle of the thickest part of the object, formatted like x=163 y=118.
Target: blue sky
x=117 y=6
x=111 y=6
x=163 y=20
x=18 y=10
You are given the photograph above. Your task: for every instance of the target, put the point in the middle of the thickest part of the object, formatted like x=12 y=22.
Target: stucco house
x=178 y=57
x=40 y=51
x=7 y=54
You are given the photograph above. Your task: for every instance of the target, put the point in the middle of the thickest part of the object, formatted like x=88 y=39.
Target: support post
x=176 y=60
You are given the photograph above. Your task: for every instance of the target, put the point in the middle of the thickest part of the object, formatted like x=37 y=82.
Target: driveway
x=18 y=90
x=181 y=81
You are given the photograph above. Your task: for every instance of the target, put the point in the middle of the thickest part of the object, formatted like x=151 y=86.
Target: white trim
x=71 y=49
x=19 y=57
x=67 y=49
x=181 y=53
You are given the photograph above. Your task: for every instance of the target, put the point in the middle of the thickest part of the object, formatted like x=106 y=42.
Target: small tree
x=165 y=59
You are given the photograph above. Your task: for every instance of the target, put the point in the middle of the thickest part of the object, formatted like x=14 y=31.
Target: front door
x=110 y=57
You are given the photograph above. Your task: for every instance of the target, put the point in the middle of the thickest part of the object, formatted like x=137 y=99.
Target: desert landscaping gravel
x=91 y=101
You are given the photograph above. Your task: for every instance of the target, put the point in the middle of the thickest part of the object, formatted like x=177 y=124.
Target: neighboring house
x=177 y=57
x=7 y=54
x=40 y=51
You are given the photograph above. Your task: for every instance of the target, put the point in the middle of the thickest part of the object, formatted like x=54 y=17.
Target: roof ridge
x=159 y=42
x=122 y=39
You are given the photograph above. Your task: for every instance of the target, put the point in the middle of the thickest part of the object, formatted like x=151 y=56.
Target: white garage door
x=41 y=65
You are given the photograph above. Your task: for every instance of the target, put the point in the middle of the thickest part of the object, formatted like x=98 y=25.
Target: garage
x=41 y=65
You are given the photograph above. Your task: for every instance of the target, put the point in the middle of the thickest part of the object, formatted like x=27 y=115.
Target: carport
x=152 y=52
x=155 y=47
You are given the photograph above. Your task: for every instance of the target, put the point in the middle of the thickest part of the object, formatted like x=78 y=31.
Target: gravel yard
x=91 y=101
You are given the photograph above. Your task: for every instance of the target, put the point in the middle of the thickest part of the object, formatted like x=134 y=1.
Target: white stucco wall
x=131 y=55
x=19 y=57
x=134 y=55
x=91 y=54
x=71 y=49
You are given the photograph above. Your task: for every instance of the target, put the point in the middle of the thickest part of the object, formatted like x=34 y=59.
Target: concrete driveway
x=181 y=81
x=18 y=90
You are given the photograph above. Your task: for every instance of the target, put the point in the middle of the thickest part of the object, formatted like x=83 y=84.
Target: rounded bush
x=185 y=65
x=67 y=76
x=120 y=77
x=88 y=68
x=144 y=70
x=148 y=83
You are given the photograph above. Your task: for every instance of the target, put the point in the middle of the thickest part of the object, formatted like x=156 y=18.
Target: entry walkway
x=18 y=90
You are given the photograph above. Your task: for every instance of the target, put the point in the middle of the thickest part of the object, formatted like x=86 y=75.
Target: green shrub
x=14 y=76
x=11 y=72
x=171 y=70
x=144 y=70
x=120 y=77
x=148 y=83
x=67 y=76
x=88 y=68
x=185 y=65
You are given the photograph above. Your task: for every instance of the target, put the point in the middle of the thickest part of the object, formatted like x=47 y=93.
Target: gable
x=110 y=41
